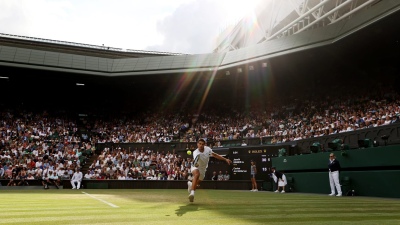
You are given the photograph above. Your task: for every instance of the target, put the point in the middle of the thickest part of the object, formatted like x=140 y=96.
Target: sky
x=177 y=26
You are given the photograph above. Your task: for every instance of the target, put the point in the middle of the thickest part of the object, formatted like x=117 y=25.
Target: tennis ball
x=189 y=152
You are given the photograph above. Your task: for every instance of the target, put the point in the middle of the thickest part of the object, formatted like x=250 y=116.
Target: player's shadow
x=186 y=208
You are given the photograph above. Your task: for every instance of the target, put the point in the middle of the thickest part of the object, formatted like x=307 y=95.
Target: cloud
x=40 y=18
x=13 y=20
x=192 y=28
x=182 y=26
x=126 y=24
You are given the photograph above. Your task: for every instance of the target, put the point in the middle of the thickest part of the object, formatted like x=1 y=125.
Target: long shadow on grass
x=186 y=208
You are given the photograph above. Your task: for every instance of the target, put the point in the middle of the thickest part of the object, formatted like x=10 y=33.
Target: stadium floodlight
x=251 y=67
x=264 y=65
x=335 y=145
x=80 y=84
x=4 y=77
x=315 y=147
x=239 y=70
x=227 y=73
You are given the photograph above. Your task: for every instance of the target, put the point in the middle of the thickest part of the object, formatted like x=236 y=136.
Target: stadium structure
x=285 y=49
x=254 y=41
x=311 y=37
x=306 y=35
x=277 y=19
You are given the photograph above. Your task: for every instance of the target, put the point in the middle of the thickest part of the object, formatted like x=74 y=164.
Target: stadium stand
x=137 y=125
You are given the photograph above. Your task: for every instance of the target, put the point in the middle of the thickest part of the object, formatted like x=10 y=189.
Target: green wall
x=369 y=157
x=365 y=183
x=371 y=171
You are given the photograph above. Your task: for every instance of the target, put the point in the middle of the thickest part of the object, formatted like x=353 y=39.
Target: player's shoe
x=283 y=192
x=189 y=186
x=276 y=191
x=191 y=198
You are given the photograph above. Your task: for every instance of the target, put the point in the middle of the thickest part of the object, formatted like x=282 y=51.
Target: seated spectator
x=65 y=176
x=45 y=181
x=30 y=177
x=214 y=176
x=220 y=176
x=12 y=181
x=53 y=179
x=226 y=176
x=1 y=171
x=129 y=177
x=22 y=177
x=88 y=175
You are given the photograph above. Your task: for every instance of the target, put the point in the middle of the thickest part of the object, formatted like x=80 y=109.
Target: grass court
x=171 y=206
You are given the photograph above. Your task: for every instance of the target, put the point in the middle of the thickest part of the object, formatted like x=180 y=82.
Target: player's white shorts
x=201 y=170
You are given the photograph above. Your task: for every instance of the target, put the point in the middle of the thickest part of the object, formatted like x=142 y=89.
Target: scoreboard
x=242 y=156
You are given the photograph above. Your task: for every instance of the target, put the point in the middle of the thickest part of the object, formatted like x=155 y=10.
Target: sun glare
x=235 y=10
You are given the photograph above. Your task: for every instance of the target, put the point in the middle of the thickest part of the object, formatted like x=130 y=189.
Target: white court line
x=110 y=204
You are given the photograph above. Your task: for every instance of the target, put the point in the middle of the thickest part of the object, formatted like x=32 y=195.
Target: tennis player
x=201 y=156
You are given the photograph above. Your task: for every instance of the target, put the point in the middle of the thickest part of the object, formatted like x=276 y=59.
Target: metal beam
x=298 y=19
x=354 y=10
x=324 y=16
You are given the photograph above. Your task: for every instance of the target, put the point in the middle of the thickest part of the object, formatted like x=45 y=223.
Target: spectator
x=226 y=176
x=220 y=176
x=53 y=179
x=88 y=175
x=45 y=180
x=65 y=176
x=214 y=176
x=12 y=181
x=22 y=176
x=30 y=177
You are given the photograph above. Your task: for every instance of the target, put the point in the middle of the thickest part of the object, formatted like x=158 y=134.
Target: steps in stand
x=89 y=162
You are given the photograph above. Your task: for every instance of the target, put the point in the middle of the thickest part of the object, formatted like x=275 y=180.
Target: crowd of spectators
x=221 y=176
x=33 y=144
x=290 y=121
x=39 y=146
x=139 y=164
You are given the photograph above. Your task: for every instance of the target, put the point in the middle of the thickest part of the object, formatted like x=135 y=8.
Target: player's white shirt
x=200 y=159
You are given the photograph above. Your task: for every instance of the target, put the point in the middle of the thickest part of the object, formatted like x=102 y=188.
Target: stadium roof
x=277 y=19
x=25 y=52
x=77 y=48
